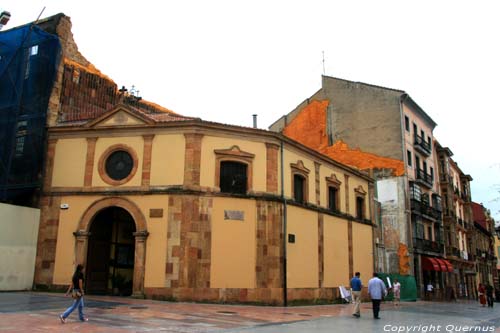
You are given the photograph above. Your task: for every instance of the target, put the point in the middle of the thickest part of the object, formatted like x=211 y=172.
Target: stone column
x=139 y=263
x=82 y=242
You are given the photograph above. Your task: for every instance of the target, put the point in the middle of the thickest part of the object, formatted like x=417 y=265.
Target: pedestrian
x=377 y=291
x=430 y=291
x=356 y=287
x=76 y=289
x=481 y=293
x=396 y=289
x=489 y=295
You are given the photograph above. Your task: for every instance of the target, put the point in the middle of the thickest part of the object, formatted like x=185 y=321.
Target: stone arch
x=141 y=234
x=97 y=206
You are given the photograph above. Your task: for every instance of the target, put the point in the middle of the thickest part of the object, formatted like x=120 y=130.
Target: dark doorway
x=110 y=257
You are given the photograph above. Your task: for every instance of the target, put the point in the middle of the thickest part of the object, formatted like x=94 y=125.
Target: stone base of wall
x=269 y=296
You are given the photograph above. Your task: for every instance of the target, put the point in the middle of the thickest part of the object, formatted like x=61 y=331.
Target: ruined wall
x=391 y=195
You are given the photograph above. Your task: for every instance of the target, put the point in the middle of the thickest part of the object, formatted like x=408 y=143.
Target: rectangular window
x=360 y=207
x=417 y=162
x=407 y=124
x=332 y=198
x=298 y=188
x=233 y=177
x=422 y=135
x=429 y=232
x=414 y=129
x=409 y=158
x=34 y=50
x=432 y=173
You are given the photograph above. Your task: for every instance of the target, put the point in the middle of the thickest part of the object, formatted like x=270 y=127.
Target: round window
x=119 y=164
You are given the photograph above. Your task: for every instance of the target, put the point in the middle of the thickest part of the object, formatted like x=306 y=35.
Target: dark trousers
x=490 y=300
x=376 y=307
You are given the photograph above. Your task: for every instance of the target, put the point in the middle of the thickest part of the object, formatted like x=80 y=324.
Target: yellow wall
x=362 y=243
x=65 y=247
x=292 y=157
x=167 y=160
x=336 y=252
x=354 y=182
x=69 y=162
x=233 y=245
x=325 y=171
x=156 y=243
x=302 y=263
x=136 y=143
x=210 y=143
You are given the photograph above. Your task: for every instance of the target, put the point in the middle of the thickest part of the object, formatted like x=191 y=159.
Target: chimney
x=254 y=121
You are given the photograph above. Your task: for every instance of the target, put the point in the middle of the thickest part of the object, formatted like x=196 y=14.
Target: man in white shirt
x=377 y=291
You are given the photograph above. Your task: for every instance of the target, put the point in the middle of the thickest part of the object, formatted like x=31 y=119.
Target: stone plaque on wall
x=156 y=212
x=238 y=215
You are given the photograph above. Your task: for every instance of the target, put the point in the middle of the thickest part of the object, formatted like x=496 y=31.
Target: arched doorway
x=110 y=254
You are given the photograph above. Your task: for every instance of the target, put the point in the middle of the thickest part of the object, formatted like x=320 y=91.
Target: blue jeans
x=76 y=303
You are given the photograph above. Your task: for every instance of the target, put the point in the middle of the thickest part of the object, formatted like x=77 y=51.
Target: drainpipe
x=285 y=297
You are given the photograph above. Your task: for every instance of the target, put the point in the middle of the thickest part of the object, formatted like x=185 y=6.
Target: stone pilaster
x=146 y=160
x=268 y=267
x=47 y=240
x=317 y=182
x=272 y=167
x=49 y=164
x=89 y=162
x=192 y=159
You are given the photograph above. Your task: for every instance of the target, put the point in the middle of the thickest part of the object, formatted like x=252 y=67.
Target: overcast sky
x=226 y=60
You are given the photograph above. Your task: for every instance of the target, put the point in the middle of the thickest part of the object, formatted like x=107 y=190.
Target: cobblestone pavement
x=38 y=312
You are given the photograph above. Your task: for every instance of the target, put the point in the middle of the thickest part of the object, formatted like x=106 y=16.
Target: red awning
x=430 y=264
x=448 y=265
x=442 y=264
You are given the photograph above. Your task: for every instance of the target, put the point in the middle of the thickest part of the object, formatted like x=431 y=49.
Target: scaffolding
x=29 y=58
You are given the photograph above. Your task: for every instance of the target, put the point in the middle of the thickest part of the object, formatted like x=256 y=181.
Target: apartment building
x=458 y=224
x=392 y=137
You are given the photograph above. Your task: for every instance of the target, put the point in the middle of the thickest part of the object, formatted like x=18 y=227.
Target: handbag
x=76 y=294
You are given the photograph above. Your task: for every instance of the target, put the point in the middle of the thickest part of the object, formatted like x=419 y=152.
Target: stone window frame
x=360 y=193
x=333 y=181
x=234 y=154
x=300 y=170
x=102 y=164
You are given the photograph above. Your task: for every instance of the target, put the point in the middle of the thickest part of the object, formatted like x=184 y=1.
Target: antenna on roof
x=39 y=15
x=323 y=62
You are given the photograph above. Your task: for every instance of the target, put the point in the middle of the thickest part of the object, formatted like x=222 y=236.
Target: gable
x=120 y=118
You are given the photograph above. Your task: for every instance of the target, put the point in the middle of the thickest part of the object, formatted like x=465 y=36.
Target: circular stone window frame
x=104 y=157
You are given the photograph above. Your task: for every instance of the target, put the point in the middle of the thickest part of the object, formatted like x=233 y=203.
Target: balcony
x=421 y=145
x=423 y=178
x=428 y=245
x=455 y=252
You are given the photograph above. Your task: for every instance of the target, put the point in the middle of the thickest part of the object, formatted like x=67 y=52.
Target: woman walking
x=76 y=289
x=481 y=293
x=396 y=288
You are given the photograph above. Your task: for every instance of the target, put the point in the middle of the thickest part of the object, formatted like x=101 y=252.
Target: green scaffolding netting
x=408 y=286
